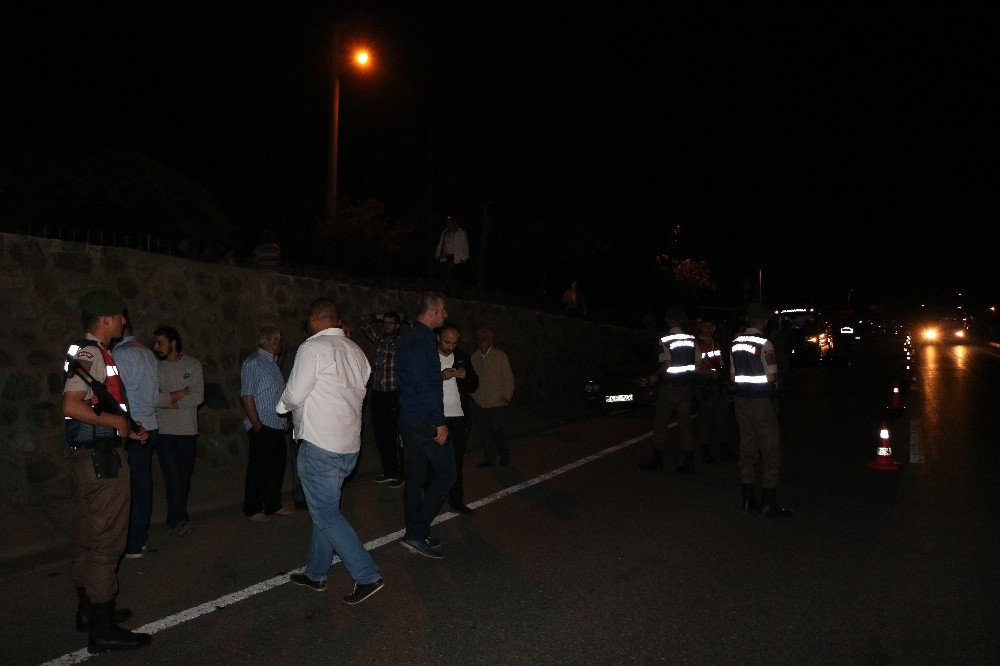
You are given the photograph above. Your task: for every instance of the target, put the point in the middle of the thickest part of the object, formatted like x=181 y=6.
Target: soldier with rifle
x=97 y=421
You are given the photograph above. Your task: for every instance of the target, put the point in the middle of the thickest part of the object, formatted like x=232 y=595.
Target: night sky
x=835 y=147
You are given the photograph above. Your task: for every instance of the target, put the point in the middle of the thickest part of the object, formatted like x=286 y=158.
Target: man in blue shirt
x=138 y=368
x=261 y=385
x=423 y=427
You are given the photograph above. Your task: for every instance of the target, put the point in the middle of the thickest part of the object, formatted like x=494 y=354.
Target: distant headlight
x=930 y=334
x=960 y=334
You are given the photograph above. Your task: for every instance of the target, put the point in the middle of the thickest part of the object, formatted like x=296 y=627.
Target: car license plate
x=624 y=397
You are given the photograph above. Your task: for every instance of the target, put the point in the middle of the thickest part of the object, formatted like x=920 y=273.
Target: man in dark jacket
x=460 y=379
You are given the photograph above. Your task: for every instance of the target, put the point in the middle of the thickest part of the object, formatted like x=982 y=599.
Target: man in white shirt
x=452 y=251
x=324 y=394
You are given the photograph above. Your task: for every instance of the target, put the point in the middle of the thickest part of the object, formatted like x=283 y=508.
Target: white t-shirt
x=452 y=399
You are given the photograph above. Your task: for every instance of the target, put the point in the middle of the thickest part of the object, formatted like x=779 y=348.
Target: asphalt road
x=576 y=556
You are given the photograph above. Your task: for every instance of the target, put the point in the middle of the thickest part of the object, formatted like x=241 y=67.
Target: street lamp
x=361 y=59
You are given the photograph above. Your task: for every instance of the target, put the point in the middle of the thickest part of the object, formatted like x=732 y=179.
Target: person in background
x=574 y=304
x=182 y=390
x=324 y=395
x=677 y=364
x=286 y=362
x=261 y=385
x=754 y=371
x=138 y=368
x=100 y=474
x=460 y=379
x=710 y=394
x=383 y=331
x=452 y=251
x=489 y=402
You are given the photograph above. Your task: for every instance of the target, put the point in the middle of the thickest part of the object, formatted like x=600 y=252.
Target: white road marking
x=271 y=583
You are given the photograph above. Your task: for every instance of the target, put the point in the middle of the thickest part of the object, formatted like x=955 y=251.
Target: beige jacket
x=496 y=379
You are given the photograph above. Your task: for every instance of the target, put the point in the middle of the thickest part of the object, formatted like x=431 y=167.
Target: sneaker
x=420 y=548
x=180 y=529
x=302 y=579
x=260 y=517
x=283 y=511
x=397 y=483
x=433 y=542
x=382 y=478
x=362 y=591
x=135 y=555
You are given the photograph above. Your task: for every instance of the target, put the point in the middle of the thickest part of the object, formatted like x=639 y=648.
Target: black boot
x=706 y=455
x=106 y=636
x=84 y=611
x=769 y=508
x=654 y=465
x=687 y=466
x=750 y=504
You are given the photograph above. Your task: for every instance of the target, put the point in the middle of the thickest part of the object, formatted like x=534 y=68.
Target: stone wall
x=217 y=310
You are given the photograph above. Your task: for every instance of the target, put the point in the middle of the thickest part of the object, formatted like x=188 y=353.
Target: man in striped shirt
x=261 y=385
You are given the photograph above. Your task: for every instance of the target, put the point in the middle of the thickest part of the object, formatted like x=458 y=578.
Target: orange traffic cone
x=896 y=401
x=883 y=459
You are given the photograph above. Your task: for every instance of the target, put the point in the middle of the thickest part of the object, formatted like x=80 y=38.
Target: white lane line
x=271 y=583
x=916 y=443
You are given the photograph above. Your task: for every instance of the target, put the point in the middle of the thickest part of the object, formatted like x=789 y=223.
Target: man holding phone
x=460 y=379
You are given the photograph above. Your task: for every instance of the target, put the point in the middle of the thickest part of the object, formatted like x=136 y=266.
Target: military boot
x=84 y=611
x=687 y=466
x=750 y=504
x=769 y=507
x=106 y=636
x=654 y=465
x=706 y=454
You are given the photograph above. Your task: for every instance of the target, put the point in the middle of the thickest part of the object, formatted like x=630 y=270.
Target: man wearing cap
x=677 y=363
x=754 y=372
x=96 y=420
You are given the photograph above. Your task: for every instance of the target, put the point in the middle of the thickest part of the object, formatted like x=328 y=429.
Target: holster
x=105 y=458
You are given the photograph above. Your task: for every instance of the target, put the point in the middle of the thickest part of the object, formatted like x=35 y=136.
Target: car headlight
x=930 y=334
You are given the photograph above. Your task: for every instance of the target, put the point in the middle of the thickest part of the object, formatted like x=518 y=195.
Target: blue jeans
x=425 y=456
x=176 y=454
x=140 y=464
x=322 y=474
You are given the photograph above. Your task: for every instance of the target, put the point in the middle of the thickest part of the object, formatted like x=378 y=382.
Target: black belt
x=112 y=442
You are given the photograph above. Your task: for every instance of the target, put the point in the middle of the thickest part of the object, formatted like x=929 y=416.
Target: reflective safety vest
x=682 y=349
x=710 y=358
x=748 y=364
x=78 y=432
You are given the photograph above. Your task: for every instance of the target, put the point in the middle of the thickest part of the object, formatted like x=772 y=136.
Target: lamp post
x=361 y=59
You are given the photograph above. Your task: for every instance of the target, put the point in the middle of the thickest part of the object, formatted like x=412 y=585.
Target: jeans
x=425 y=457
x=140 y=464
x=322 y=474
x=176 y=454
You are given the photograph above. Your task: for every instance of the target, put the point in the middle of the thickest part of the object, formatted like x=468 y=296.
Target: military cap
x=102 y=303
x=675 y=314
x=758 y=311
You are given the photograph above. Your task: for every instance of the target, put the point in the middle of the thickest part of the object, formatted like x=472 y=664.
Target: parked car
x=623 y=380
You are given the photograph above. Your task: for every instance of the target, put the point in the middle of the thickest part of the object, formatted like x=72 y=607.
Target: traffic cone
x=883 y=459
x=896 y=401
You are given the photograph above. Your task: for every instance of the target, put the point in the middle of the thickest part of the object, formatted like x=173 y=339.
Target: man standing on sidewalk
x=490 y=400
x=261 y=385
x=137 y=366
x=429 y=451
x=182 y=389
x=324 y=394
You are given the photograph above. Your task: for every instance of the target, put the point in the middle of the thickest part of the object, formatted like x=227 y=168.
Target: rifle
x=105 y=401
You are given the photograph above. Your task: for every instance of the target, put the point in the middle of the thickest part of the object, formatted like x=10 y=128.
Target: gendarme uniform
x=102 y=489
x=752 y=360
x=677 y=363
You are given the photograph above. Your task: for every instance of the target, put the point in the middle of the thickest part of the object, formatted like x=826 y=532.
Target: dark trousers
x=100 y=523
x=491 y=424
x=425 y=458
x=176 y=454
x=458 y=433
x=140 y=463
x=265 y=471
x=298 y=495
x=385 y=426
